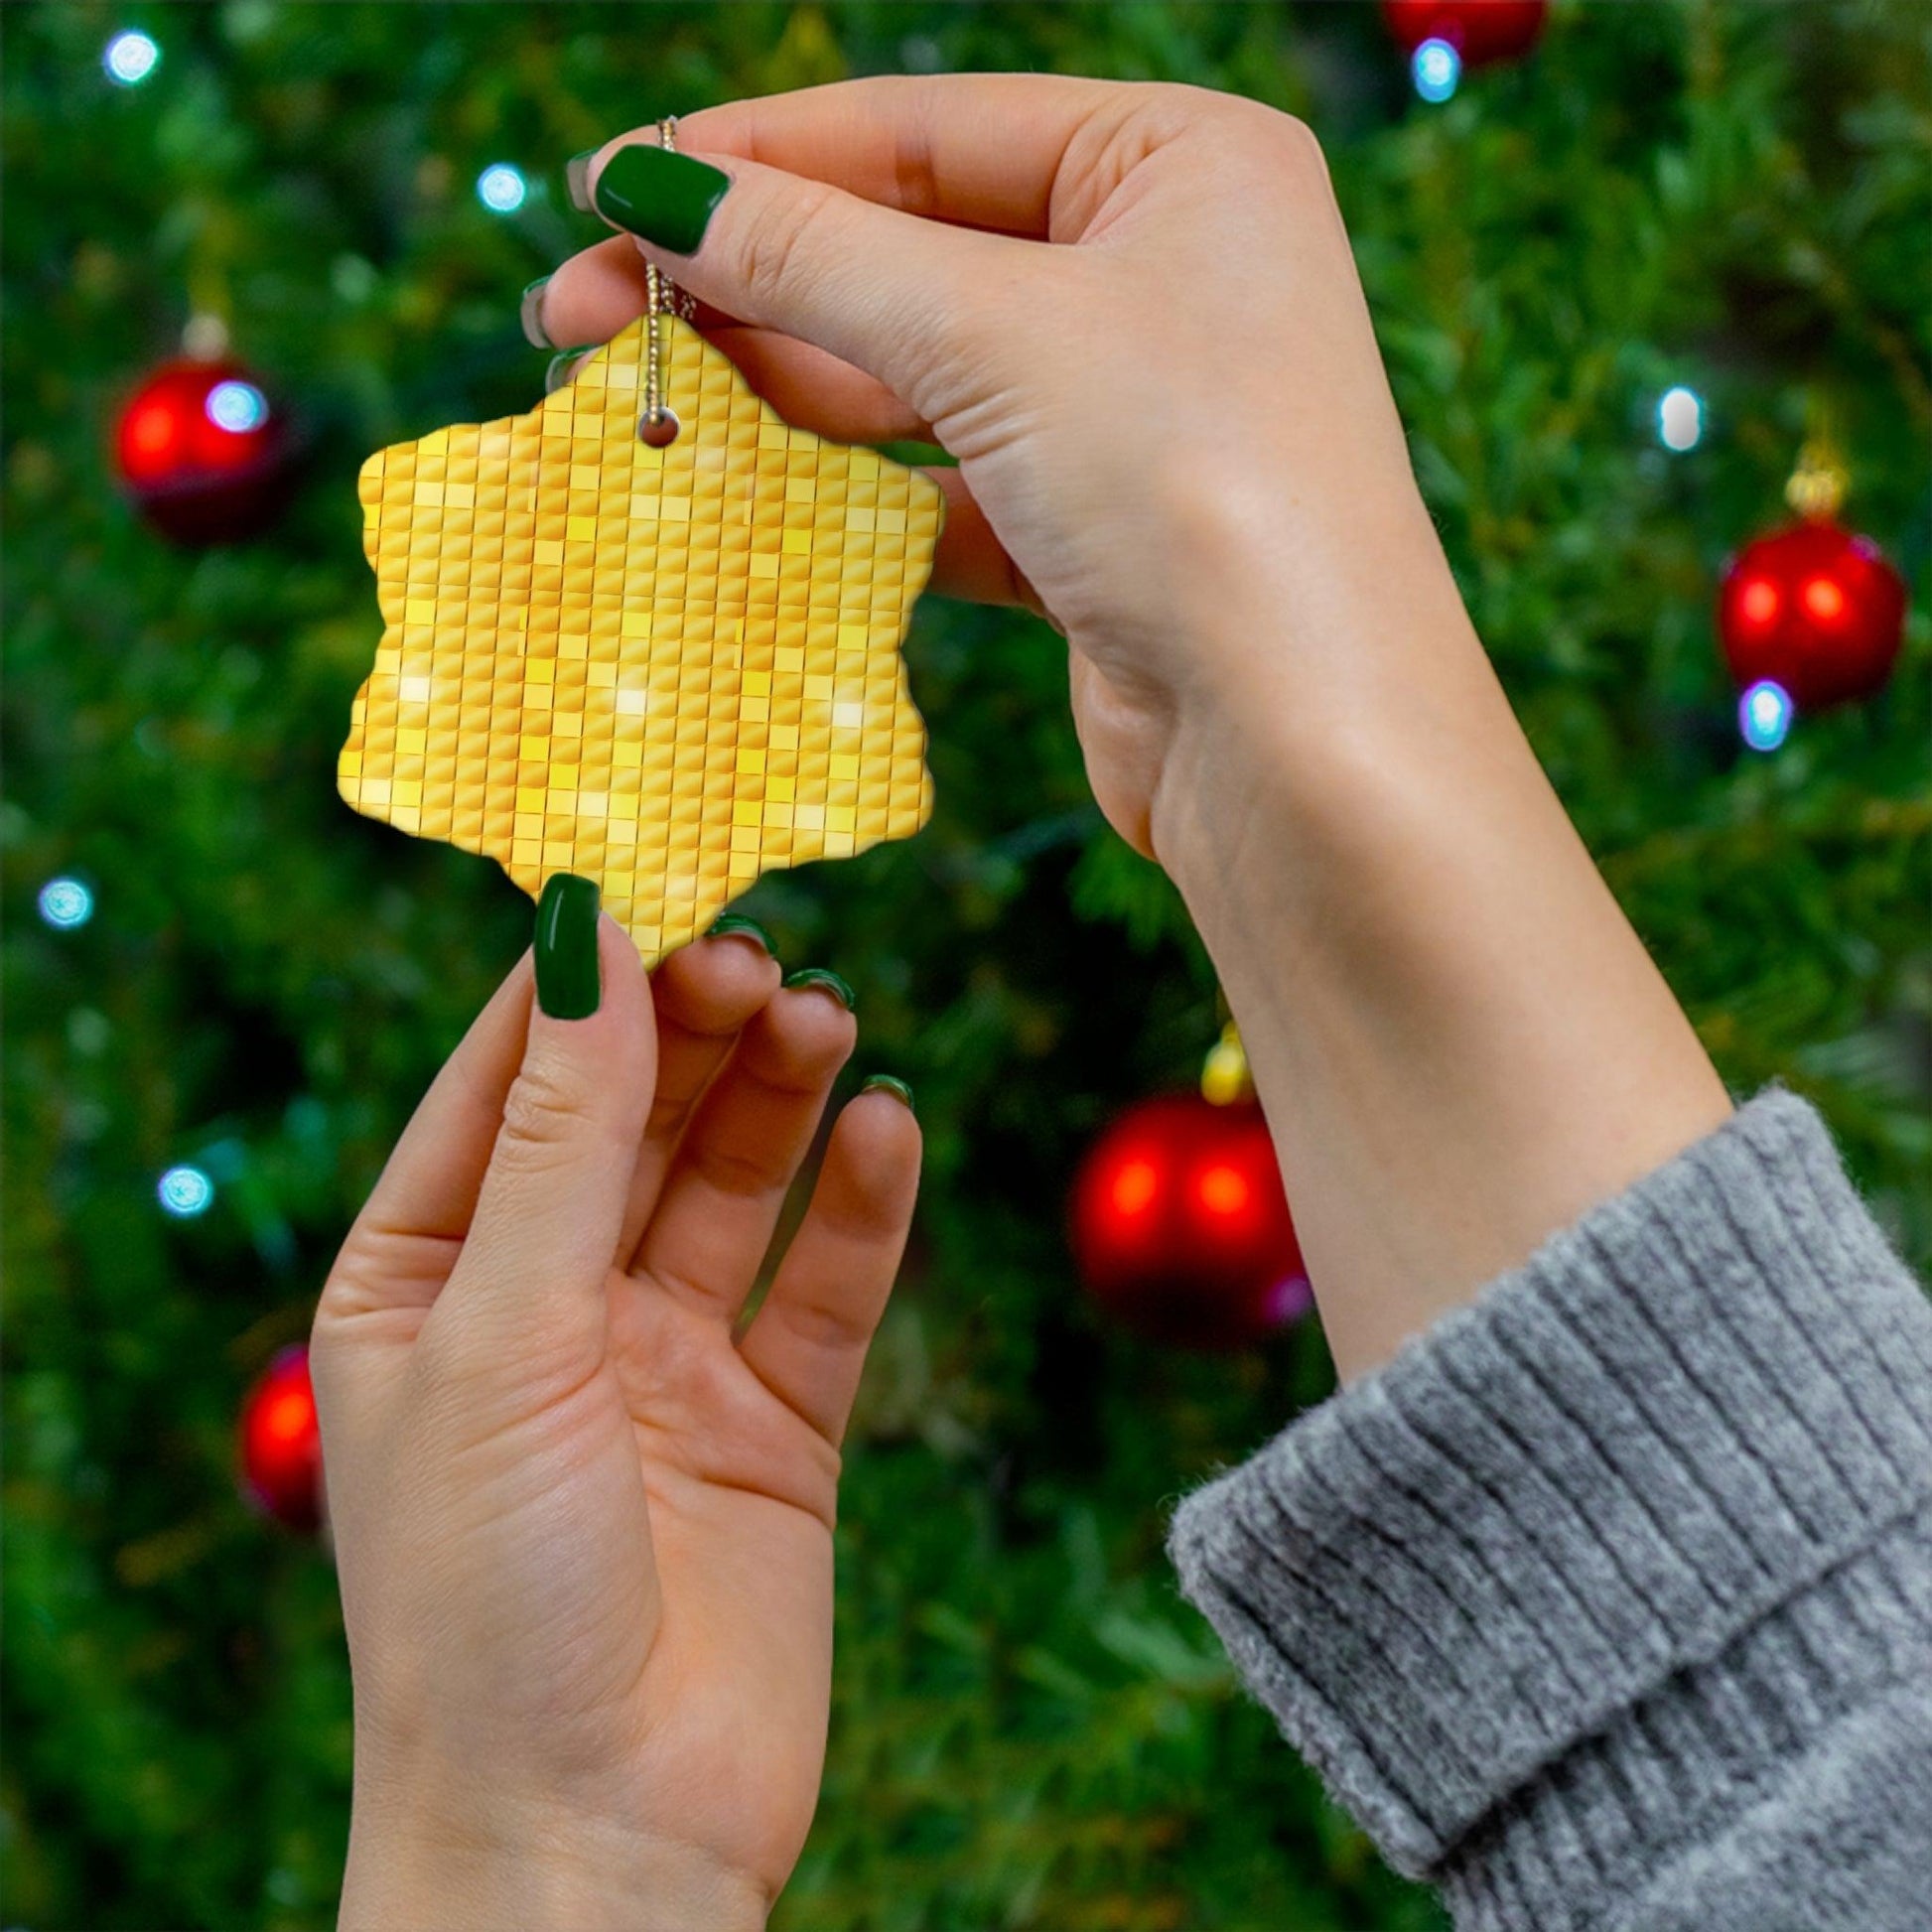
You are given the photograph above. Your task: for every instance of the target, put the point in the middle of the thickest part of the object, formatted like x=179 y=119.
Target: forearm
x=1460 y=1042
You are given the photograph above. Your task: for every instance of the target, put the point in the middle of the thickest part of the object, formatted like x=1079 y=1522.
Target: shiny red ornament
x=1814 y=609
x=1180 y=1227
x=203 y=452
x=280 y=1443
x=1481 y=31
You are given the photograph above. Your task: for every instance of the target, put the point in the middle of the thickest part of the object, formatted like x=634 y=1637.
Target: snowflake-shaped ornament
x=669 y=670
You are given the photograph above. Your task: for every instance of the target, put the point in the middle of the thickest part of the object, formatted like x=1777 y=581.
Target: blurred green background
x=1030 y=1729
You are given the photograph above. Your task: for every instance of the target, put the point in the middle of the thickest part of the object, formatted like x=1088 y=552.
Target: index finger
x=981 y=150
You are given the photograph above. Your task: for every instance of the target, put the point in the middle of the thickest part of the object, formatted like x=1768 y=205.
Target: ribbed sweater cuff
x=1643 y=1453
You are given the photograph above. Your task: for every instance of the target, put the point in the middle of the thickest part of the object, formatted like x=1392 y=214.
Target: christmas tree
x=1620 y=281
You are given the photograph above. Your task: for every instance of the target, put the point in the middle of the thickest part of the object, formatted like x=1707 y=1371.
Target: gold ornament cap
x=1816 y=486
x=1224 y=1075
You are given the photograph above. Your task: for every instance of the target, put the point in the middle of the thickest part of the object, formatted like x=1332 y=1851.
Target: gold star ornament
x=669 y=670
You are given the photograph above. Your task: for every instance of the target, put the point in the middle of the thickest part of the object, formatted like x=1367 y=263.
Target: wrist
x=1315 y=770
x=483 y=1863
x=1325 y=642
x=1460 y=1044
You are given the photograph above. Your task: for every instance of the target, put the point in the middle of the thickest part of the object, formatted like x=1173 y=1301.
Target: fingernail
x=824 y=978
x=727 y=922
x=893 y=1084
x=561 y=364
x=577 y=179
x=666 y=198
x=530 y=310
x=567 y=984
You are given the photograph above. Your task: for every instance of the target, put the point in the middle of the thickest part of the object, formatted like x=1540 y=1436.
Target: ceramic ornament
x=667 y=669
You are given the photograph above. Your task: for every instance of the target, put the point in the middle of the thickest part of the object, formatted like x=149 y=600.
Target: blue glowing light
x=502 y=187
x=237 y=407
x=66 y=903
x=1435 y=68
x=130 y=57
x=1764 y=714
x=185 y=1192
x=1680 y=418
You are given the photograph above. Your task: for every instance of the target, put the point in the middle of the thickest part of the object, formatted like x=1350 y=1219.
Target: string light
x=1435 y=68
x=1679 y=419
x=1764 y=714
x=130 y=57
x=237 y=407
x=66 y=903
x=501 y=188
x=1289 y=1300
x=185 y=1191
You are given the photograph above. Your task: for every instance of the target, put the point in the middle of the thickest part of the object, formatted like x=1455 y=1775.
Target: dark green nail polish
x=530 y=312
x=577 y=179
x=561 y=364
x=666 y=198
x=737 y=922
x=893 y=1084
x=822 y=977
x=568 y=981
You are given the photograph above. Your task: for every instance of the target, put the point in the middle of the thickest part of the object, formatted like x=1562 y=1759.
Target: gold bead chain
x=662 y=297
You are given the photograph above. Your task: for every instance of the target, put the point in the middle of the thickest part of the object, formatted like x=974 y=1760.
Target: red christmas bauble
x=203 y=452
x=1180 y=1227
x=281 y=1445
x=1816 y=609
x=1481 y=31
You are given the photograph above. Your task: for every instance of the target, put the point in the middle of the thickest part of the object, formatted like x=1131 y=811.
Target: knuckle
x=828 y=1326
x=737 y=1171
x=1300 y=145
x=1253 y=127
x=549 y=1106
x=782 y=237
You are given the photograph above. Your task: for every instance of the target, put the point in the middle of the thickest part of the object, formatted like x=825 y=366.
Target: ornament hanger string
x=659 y=426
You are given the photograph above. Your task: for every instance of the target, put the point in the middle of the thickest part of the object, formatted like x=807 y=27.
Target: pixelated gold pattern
x=669 y=670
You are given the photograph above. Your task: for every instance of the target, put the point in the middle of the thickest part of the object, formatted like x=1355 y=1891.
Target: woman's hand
x=1147 y=416
x=1133 y=315
x=585 y=1529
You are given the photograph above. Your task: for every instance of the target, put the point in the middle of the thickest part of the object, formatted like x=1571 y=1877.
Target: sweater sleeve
x=1607 y=1604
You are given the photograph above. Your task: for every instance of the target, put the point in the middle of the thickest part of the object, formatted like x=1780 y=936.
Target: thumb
x=544 y=1236
x=891 y=292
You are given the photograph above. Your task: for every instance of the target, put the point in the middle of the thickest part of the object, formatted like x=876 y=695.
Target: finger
x=874 y=287
x=703 y=994
x=986 y=150
x=808 y=1343
x=971 y=561
x=812 y=388
x=598 y=290
x=532 y=1276
x=722 y=1198
x=401 y=1247
x=586 y=304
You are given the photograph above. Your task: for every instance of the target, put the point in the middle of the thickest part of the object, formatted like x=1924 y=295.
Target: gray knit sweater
x=1607 y=1604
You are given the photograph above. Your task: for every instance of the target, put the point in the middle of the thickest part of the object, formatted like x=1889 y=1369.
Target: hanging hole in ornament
x=657 y=428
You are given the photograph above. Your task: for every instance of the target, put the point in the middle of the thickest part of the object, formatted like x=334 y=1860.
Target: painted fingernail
x=577 y=179
x=530 y=310
x=729 y=922
x=561 y=364
x=568 y=981
x=893 y=1084
x=823 y=978
x=666 y=198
